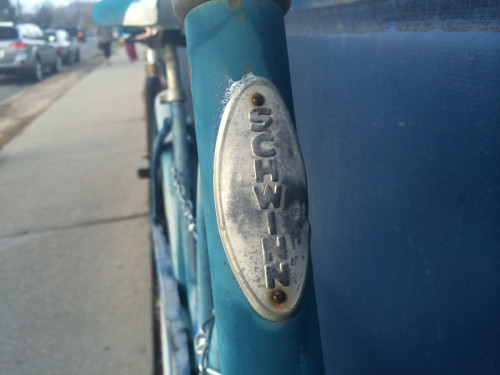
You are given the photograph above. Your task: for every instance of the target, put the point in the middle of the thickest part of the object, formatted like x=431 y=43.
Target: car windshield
x=8 y=33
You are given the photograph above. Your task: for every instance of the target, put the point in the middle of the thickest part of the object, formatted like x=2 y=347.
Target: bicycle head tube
x=254 y=187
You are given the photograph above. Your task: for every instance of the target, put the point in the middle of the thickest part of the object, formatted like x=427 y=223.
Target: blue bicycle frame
x=269 y=326
x=227 y=41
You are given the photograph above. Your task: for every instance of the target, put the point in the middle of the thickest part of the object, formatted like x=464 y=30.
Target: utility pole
x=19 y=11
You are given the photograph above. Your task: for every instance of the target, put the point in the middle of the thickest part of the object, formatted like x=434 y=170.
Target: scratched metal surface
x=400 y=135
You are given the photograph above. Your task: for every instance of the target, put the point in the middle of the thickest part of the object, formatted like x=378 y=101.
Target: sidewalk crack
x=81 y=224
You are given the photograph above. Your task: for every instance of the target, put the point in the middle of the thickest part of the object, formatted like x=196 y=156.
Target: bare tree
x=7 y=11
x=77 y=14
x=44 y=15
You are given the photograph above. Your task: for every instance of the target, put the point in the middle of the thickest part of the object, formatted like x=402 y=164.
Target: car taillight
x=18 y=45
x=80 y=34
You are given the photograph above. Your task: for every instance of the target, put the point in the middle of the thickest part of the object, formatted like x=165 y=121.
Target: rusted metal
x=279 y=296
x=258 y=99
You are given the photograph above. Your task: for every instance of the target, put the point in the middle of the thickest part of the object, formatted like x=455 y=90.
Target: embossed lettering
x=268 y=195
x=277 y=271
x=259 y=149
x=276 y=267
x=261 y=170
x=274 y=251
x=274 y=248
x=260 y=199
x=271 y=222
x=260 y=119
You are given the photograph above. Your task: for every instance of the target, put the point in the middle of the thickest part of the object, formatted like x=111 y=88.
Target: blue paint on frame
x=228 y=40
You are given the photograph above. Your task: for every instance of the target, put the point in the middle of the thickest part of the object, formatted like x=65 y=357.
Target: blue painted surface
x=185 y=166
x=248 y=343
x=175 y=347
x=400 y=134
x=206 y=306
x=113 y=13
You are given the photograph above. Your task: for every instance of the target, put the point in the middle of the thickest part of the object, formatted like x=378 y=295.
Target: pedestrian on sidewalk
x=131 y=53
x=127 y=34
x=104 y=42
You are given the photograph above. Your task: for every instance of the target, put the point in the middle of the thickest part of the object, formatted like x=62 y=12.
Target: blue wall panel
x=401 y=134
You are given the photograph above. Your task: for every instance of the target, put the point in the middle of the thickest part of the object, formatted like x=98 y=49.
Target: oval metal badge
x=261 y=198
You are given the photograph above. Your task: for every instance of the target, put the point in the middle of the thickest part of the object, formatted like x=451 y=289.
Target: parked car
x=67 y=46
x=78 y=33
x=25 y=50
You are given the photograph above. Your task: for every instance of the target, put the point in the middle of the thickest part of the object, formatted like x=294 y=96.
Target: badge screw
x=258 y=99
x=279 y=296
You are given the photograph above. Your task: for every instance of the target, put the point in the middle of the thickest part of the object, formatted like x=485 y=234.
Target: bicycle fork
x=254 y=187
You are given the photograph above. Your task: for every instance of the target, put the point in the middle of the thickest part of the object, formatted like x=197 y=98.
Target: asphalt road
x=10 y=86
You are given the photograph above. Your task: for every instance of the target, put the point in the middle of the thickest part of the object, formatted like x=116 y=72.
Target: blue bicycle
x=228 y=193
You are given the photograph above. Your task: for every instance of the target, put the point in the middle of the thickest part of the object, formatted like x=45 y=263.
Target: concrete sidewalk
x=75 y=267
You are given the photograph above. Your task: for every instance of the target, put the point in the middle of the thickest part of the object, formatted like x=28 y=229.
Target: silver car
x=67 y=46
x=24 y=49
